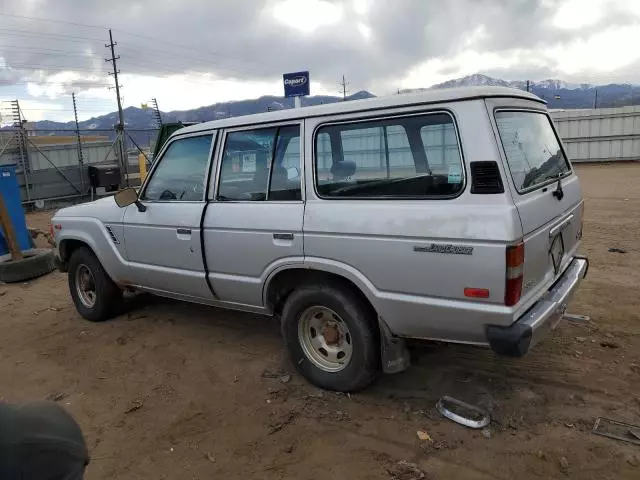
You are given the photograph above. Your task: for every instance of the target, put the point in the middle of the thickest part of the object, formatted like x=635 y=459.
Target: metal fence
x=600 y=135
x=53 y=165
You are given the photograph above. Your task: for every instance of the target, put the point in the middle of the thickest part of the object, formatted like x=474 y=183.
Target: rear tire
x=331 y=338
x=94 y=294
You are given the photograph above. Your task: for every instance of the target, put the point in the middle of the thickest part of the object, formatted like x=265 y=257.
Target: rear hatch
x=546 y=193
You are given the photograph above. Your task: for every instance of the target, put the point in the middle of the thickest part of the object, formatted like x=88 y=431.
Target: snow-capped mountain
x=478 y=79
x=557 y=93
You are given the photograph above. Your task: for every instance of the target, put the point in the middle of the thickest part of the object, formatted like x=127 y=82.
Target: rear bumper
x=516 y=339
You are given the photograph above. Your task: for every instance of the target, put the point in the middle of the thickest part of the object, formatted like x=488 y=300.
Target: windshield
x=531 y=147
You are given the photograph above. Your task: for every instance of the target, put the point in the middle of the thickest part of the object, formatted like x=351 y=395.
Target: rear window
x=531 y=147
x=405 y=157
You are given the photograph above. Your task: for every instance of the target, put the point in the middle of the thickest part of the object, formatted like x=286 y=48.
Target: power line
x=27 y=49
x=56 y=82
x=184 y=57
x=144 y=37
x=24 y=17
x=12 y=31
x=61 y=68
x=193 y=48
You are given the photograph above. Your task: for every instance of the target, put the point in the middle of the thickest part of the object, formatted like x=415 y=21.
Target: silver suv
x=450 y=215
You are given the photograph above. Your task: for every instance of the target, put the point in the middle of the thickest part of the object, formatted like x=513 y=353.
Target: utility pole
x=595 y=100
x=120 y=127
x=344 y=84
x=156 y=112
x=79 y=141
x=528 y=85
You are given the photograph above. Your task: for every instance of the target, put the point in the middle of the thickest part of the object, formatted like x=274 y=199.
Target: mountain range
x=557 y=93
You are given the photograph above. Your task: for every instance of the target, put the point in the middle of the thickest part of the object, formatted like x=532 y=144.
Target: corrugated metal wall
x=67 y=155
x=600 y=135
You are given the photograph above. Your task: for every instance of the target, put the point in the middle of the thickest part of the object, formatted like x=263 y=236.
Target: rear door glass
x=531 y=147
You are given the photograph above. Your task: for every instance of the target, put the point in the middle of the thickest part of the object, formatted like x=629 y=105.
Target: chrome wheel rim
x=86 y=286
x=325 y=338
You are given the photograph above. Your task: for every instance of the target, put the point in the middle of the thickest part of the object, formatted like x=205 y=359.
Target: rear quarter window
x=531 y=147
x=405 y=157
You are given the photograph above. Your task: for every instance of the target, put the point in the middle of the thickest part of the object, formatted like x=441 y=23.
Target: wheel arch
x=284 y=280
x=71 y=243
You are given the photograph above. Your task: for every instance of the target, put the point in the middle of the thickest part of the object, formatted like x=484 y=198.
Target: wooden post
x=142 y=161
x=9 y=232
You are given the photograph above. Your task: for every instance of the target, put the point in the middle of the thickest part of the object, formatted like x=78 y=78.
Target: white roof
x=441 y=95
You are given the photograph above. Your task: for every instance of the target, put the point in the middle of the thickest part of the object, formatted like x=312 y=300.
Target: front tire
x=94 y=294
x=331 y=338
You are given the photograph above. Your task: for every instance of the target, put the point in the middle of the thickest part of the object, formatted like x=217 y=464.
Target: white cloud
x=361 y=7
x=601 y=52
x=364 y=30
x=575 y=14
x=241 y=47
x=183 y=92
x=308 y=17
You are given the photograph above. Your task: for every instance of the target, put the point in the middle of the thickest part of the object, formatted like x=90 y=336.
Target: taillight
x=514 y=274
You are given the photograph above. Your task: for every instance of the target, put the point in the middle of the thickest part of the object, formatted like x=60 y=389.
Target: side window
x=441 y=146
x=180 y=175
x=405 y=157
x=261 y=165
x=285 y=175
x=324 y=157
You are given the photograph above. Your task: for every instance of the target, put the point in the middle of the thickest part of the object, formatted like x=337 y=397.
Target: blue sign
x=296 y=84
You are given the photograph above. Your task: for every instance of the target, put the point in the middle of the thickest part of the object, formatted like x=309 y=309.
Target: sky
x=192 y=53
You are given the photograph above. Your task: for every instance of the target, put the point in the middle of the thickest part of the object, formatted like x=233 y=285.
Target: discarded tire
x=36 y=262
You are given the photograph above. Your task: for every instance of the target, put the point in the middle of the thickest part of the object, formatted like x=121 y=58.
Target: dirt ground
x=178 y=391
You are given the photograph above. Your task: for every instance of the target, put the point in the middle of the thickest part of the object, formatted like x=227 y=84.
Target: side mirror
x=127 y=197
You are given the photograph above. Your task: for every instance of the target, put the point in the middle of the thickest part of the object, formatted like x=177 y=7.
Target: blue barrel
x=11 y=196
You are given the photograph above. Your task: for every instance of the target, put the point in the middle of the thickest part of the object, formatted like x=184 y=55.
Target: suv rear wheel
x=94 y=294
x=331 y=337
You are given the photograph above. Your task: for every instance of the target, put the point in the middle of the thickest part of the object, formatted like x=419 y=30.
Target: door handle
x=283 y=236
x=183 y=231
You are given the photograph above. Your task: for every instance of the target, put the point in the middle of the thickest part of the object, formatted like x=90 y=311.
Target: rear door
x=254 y=223
x=546 y=193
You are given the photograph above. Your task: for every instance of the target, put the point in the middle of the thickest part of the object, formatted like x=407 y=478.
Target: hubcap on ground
x=325 y=338
x=86 y=286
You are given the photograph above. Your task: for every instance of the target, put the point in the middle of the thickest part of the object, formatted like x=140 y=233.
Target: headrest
x=343 y=169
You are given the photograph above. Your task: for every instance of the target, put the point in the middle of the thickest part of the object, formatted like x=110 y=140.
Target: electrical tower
x=124 y=161
x=156 y=112
x=79 y=141
x=21 y=144
x=344 y=84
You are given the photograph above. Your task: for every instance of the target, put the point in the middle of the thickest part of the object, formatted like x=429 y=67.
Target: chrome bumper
x=516 y=339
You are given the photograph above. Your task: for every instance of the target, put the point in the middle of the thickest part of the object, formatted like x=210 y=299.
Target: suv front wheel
x=94 y=294
x=331 y=337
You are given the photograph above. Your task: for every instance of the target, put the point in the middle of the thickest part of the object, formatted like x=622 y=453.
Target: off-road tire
x=108 y=302
x=364 y=366
x=36 y=262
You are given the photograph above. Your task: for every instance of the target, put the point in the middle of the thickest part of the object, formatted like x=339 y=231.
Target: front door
x=163 y=243
x=254 y=224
